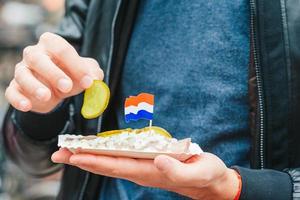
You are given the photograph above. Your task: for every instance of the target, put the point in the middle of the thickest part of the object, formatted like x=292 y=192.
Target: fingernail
x=86 y=81
x=23 y=104
x=64 y=85
x=40 y=93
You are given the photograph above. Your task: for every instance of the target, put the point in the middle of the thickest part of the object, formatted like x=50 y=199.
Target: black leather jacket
x=101 y=29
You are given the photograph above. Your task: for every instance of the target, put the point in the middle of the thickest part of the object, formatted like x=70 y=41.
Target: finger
x=30 y=85
x=40 y=63
x=61 y=156
x=139 y=171
x=16 y=98
x=179 y=173
x=115 y=167
x=83 y=70
x=137 y=177
x=92 y=68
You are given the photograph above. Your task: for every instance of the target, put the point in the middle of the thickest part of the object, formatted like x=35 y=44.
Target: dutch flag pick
x=139 y=107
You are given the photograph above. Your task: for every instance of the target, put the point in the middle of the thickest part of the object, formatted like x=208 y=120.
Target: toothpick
x=150 y=124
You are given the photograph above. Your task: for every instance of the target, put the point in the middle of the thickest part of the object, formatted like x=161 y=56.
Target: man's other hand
x=49 y=72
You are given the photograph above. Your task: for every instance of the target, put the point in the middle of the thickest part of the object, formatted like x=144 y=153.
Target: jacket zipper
x=261 y=111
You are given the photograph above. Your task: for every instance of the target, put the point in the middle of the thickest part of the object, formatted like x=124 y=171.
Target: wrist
x=228 y=185
x=42 y=127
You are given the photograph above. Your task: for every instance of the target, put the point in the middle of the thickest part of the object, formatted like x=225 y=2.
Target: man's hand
x=50 y=72
x=202 y=177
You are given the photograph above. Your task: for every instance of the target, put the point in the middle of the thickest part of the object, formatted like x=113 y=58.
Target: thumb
x=174 y=170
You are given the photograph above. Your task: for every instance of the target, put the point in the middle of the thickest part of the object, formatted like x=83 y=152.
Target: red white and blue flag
x=139 y=107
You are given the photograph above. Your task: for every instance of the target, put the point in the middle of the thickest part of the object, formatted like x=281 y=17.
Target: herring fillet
x=116 y=146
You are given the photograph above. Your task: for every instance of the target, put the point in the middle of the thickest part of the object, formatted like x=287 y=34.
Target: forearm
x=31 y=145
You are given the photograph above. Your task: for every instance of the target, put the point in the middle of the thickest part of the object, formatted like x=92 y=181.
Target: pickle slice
x=95 y=100
x=113 y=132
x=157 y=130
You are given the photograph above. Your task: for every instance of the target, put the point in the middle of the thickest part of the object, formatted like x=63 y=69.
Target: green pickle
x=95 y=100
x=157 y=130
x=113 y=132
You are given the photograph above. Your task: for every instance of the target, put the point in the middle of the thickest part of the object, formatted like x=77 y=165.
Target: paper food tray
x=131 y=154
x=178 y=149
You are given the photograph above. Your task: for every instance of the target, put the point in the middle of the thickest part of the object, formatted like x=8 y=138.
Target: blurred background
x=21 y=24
